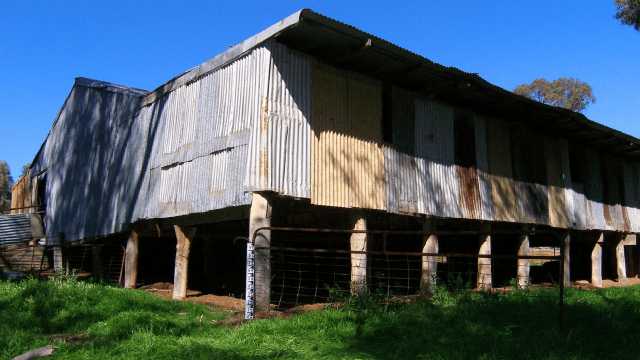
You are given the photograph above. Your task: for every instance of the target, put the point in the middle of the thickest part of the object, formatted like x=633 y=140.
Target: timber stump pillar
x=428 y=279
x=484 y=259
x=621 y=265
x=184 y=238
x=596 y=262
x=358 y=245
x=523 y=264
x=566 y=261
x=259 y=217
x=131 y=259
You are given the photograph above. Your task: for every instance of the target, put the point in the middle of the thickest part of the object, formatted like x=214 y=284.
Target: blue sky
x=44 y=45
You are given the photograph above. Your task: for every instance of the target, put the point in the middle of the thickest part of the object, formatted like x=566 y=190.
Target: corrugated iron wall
x=280 y=147
x=277 y=120
x=519 y=175
x=91 y=164
x=200 y=154
x=347 y=155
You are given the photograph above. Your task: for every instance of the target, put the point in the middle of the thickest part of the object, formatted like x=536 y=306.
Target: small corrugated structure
x=312 y=108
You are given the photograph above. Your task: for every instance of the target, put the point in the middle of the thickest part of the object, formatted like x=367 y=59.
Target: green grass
x=124 y=324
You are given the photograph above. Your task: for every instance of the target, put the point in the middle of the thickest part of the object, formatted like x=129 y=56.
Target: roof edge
x=104 y=85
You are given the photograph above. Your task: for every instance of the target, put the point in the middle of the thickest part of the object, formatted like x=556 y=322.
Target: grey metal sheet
x=15 y=228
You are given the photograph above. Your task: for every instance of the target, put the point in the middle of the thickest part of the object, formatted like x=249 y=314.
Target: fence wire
x=317 y=266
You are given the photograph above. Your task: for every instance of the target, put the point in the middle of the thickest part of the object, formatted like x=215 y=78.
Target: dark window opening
x=577 y=165
x=529 y=163
x=398 y=119
x=464 y=140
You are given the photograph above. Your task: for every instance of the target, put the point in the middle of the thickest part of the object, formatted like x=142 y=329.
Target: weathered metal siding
x=556 y=153
x=347 y=156
x=280 y=146
x=200 y=155
x=92 y=178
x=503 y=189
x=15 y=228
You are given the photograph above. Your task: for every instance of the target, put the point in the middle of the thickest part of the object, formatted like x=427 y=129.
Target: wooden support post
x=184 y=237
x=429 y=276
x=57 y=258
x=596 y=262
x=484 y=263
x=260 y=216
x=96 y=262
x=523 y=264
x=621 y=266
x=131 y=259
x=566 y=271
x=358 y=242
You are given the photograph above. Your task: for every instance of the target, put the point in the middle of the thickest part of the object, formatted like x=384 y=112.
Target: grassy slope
x=131 y=324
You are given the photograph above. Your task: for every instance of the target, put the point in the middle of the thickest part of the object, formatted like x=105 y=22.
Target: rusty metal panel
x=348 y=161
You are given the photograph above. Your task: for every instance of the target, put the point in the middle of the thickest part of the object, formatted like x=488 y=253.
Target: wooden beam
x=566 y=271
x=429 y=277
x=358 y=242
x=260 y=216
x=621 y=266
x=484 y=263
x=184 y=237
x=523 y=264
x=596 y=262
x=131 y=259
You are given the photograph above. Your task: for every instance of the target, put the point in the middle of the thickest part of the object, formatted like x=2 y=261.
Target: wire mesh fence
x=320 y=266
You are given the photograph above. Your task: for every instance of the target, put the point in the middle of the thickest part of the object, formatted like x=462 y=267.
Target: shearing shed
x=314 y=124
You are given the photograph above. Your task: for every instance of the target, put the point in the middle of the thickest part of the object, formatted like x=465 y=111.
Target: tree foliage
x=628 y=12
x=5 y=186
x=568 y=93
x=25 y=169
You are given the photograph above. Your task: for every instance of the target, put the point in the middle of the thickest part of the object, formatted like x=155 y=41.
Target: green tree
x=25 y=169
x=5 y=186
x=568 y=93
x=628 y=12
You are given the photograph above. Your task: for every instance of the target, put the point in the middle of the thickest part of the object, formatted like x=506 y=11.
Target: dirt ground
x=164 y=289
x=607 y=283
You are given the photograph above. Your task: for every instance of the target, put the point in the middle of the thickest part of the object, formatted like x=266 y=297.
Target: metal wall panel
x=346 y=147
x=200 y=156
x=92 y=175
x=15 y=228
x=286 y=114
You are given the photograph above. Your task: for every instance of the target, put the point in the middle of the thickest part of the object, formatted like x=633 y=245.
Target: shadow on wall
x=97 y=155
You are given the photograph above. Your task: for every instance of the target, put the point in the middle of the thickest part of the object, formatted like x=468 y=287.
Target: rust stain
x=469 y=191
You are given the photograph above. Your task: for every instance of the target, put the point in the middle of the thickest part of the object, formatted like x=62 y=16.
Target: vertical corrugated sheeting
x=632 y=194
x=503 y=190
x=200 y=156
x=556 y=153
x=482 y=161
x=593 y=191
x=348 y=161
x=288 y=109
x=91 y=163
